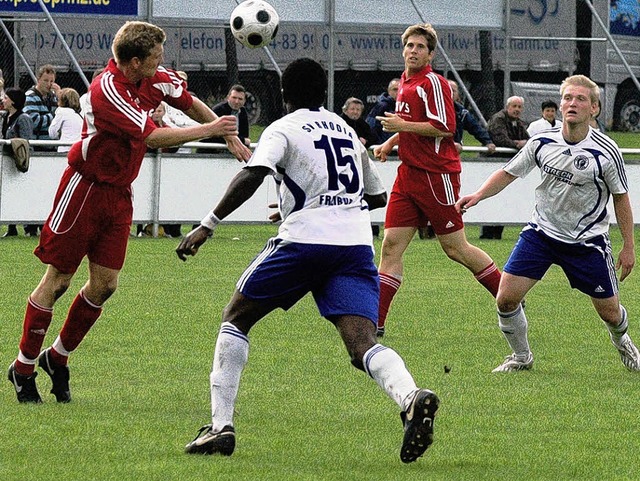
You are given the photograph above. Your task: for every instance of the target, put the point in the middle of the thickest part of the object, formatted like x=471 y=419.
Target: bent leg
x=382 y=363
x=38 y=316
x=85 y=310
x=614 y=316
x=458 y=249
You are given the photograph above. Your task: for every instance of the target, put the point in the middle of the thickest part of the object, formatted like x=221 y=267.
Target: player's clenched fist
x=223 y=126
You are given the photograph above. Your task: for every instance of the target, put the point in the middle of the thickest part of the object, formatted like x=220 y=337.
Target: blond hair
x=425 y=30
x=582 y=81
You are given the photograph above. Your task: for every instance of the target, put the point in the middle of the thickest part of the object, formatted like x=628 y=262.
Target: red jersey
x=118 y=120
x=426 y=97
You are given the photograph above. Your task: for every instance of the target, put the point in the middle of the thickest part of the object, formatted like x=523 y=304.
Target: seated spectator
x=233 y=105
x=465 y=120
x=67 y=122
x=352 y=115
x=177 y=117
x=16 y=124
x=507 y=129
x=386 y=103
x=548 y=120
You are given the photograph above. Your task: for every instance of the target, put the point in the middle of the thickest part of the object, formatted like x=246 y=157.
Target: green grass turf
x=140 y=379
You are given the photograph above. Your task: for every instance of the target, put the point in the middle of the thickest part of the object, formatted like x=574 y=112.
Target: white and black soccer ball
x=254 y=23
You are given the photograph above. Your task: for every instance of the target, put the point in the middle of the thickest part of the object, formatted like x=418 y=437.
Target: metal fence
x=540 y=42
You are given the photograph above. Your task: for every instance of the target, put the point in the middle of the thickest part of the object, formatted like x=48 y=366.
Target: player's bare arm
x=493 y=185
x=624 y=217
x=200 y=112
x=222 y=126
x=394 y=123
x=381 y=152
x=240 y=189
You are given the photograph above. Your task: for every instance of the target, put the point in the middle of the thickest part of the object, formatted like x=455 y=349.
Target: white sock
x=620 y=330
x=229 y=359
x=387 y=368
x=514 y=328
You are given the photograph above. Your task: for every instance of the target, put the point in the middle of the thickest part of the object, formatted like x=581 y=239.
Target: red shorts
x=419 y=197
x=88 y=219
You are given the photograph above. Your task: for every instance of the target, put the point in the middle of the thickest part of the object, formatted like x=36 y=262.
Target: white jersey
x=541 y=124
x=577 y=180
x=322 y=171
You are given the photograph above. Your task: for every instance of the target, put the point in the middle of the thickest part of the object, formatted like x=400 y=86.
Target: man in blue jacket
x=466 y=121
x=386 y=103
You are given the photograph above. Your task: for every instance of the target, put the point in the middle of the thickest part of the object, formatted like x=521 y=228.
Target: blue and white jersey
x=577 y=180
x=322 y=171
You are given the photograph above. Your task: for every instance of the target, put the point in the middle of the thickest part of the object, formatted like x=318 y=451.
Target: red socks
x=389 y=285
x=36 y=323
x=489 y=277
x=81 y=317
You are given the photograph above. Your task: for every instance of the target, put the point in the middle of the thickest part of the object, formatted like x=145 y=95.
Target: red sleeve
x=438 y=100
x=116 y=111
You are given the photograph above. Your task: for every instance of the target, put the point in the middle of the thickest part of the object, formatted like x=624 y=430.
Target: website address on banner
x=53 y=3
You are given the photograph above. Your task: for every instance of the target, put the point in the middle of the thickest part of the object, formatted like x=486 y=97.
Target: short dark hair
x=549 y=104
x=304 y=84
x=237 y=88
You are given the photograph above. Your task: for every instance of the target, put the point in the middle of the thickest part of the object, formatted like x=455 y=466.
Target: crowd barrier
x=182 y=188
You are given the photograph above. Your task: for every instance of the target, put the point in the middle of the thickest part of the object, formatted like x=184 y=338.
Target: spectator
x=352 y=115
x=595 y=122
x=386 y=103
x=177 y=117
x=507 y=129
x=16 y=124
x=233 y=105
x=548 y=120
x=67 y=122
x=41 y=103
x=465 y=120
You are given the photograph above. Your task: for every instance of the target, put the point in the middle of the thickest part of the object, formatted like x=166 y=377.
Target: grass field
x=140 y=379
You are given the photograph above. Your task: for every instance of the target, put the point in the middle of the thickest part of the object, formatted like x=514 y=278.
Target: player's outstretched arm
x=240 y=189
x=222 y=126
x=493 y=185
x=624 y=217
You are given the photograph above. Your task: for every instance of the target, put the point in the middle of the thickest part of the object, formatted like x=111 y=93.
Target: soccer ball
x=254 y=23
